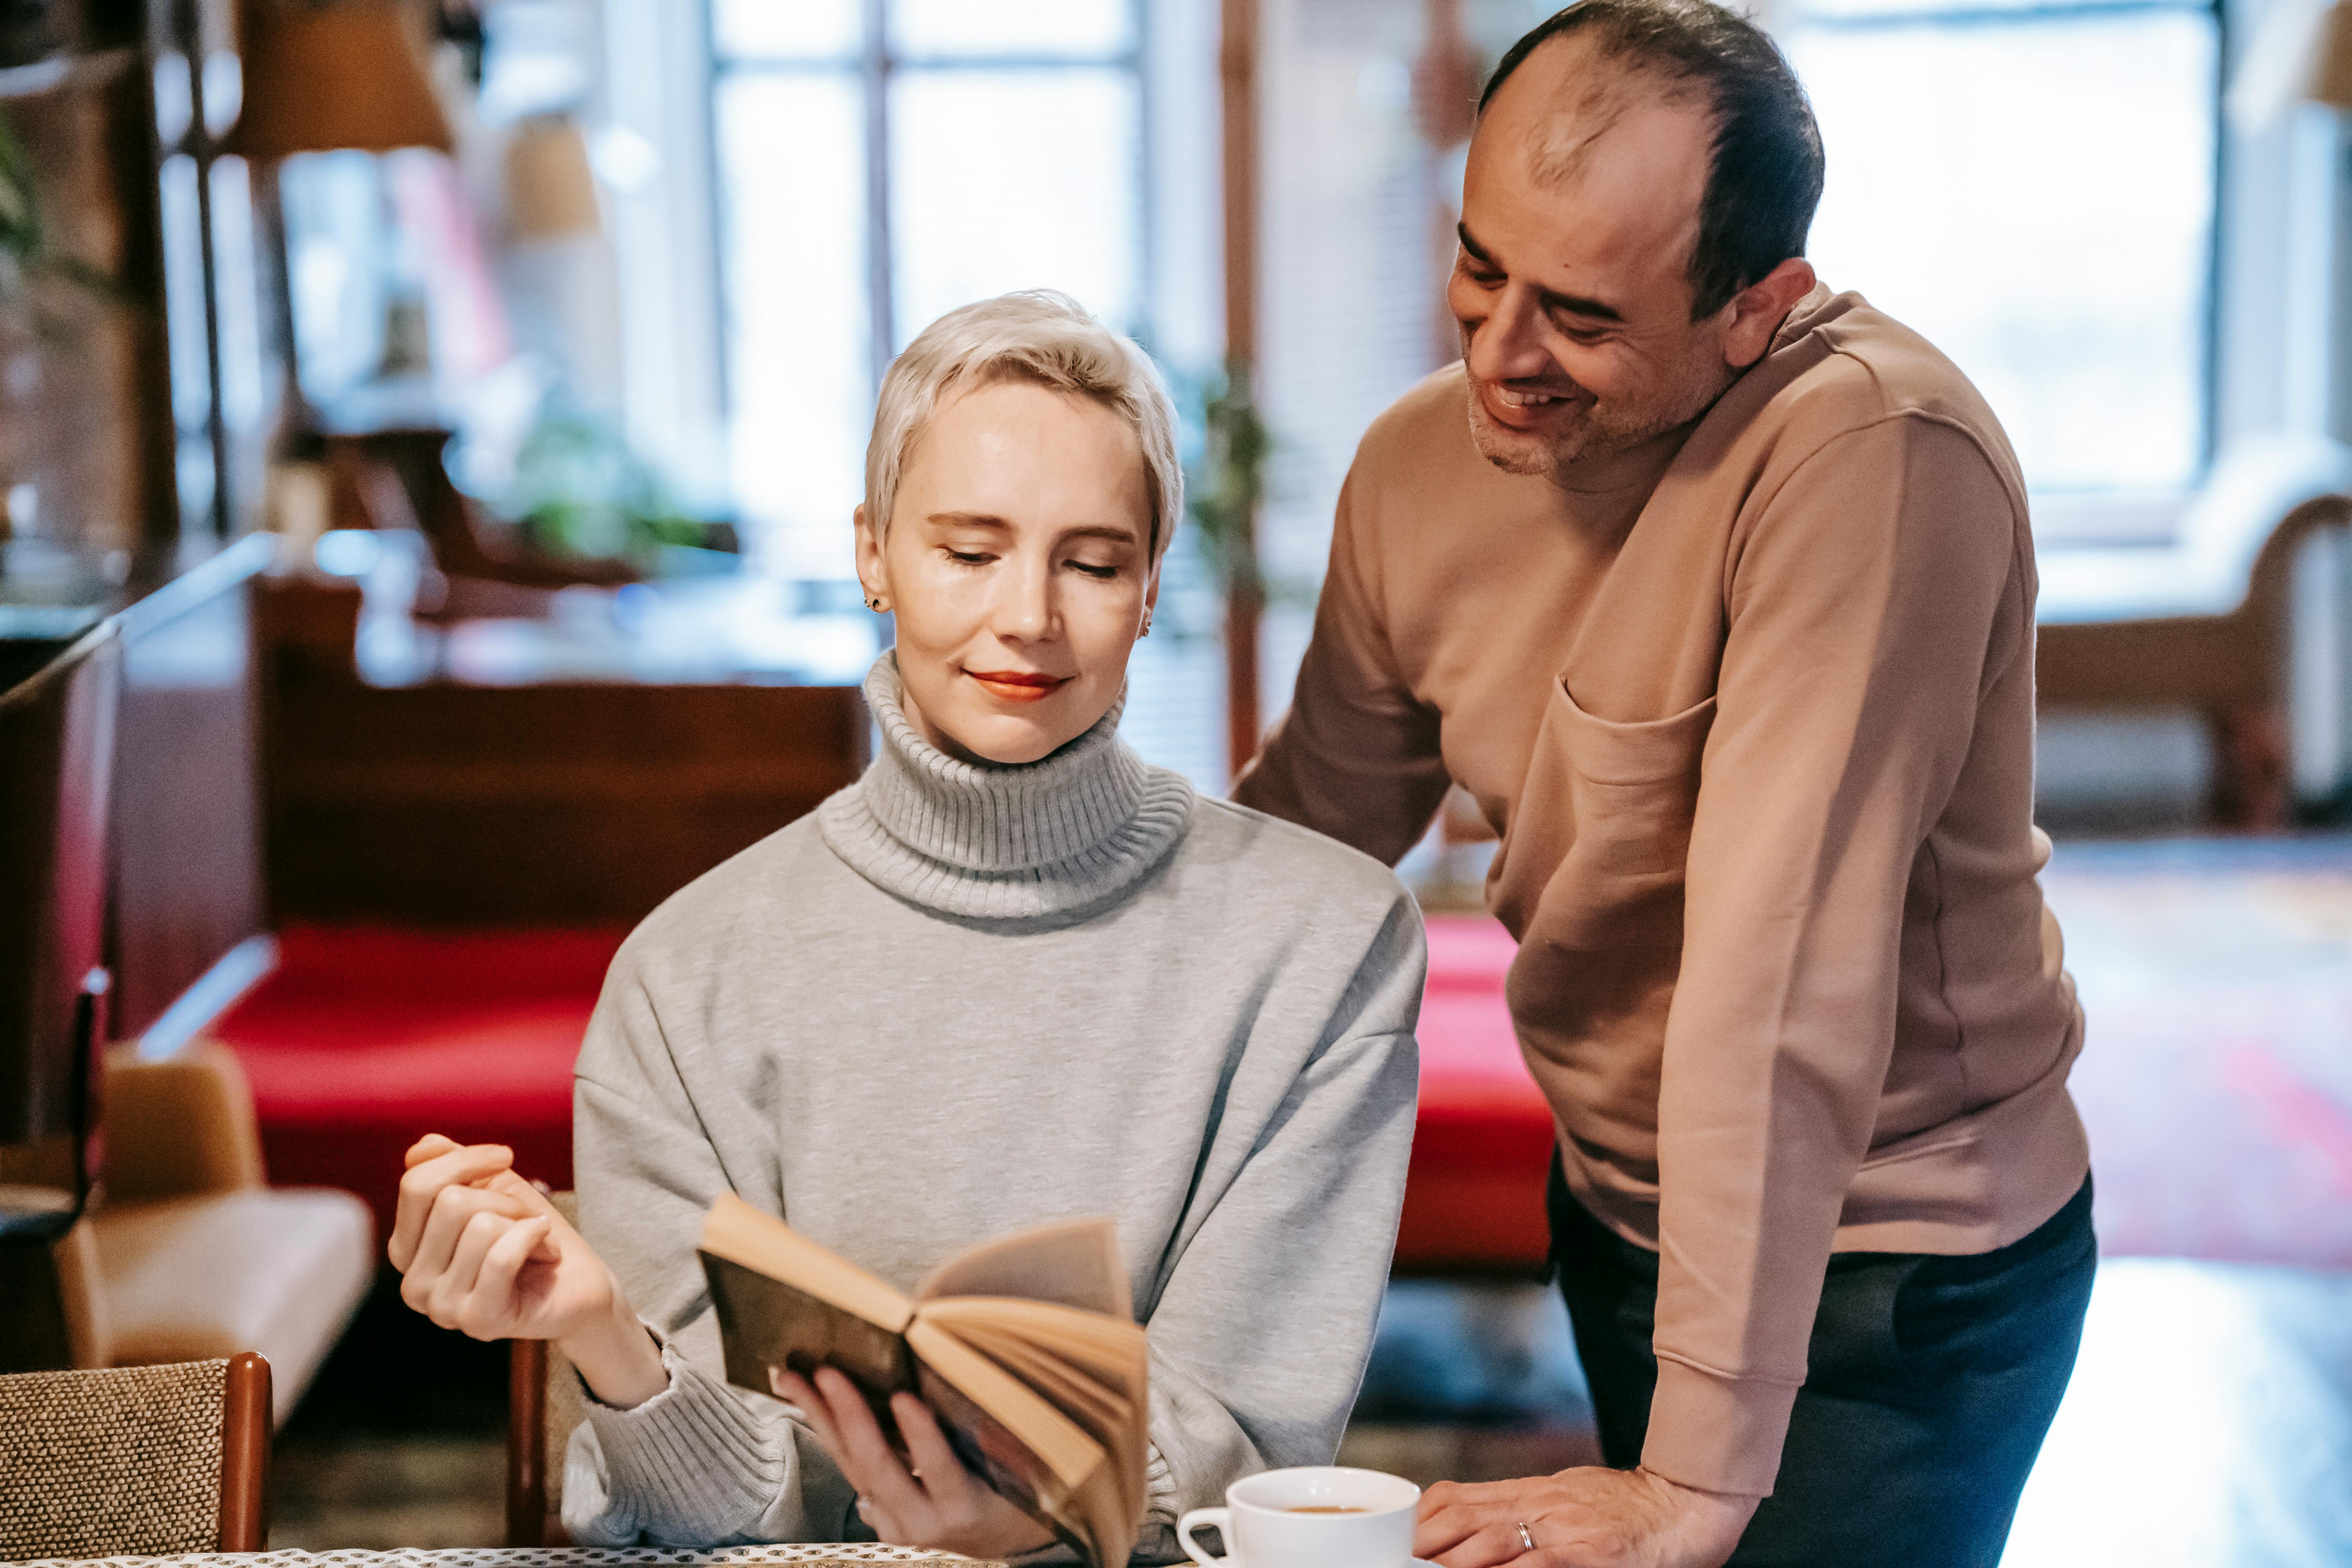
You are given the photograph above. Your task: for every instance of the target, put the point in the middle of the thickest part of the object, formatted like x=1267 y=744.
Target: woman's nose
x=1025 y=606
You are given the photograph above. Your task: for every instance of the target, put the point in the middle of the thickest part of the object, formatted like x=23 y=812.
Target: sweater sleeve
x=1865 y=622
x=1356 y=758
x=702 y=1463
x=1259 y=1338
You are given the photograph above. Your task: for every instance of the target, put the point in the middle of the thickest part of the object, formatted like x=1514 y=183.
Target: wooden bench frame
x=2227 y=661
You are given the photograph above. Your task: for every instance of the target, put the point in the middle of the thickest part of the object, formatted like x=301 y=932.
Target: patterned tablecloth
x=815 y=1556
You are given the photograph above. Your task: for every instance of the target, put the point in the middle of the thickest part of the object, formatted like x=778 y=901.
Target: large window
x=2031 y=188
x=881 y=162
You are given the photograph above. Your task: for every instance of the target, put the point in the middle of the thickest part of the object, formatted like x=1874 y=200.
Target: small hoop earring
x=875 y=604
x=1147 y=628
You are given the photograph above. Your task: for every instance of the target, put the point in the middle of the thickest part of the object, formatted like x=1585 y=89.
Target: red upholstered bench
x=1473 y=1201
x=367 y=1036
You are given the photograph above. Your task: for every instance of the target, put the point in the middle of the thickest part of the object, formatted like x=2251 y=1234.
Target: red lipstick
x=1019 y=685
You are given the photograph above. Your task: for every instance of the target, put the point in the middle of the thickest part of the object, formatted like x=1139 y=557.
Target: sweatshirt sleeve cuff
x=1718 y=1434
x=690 y=1458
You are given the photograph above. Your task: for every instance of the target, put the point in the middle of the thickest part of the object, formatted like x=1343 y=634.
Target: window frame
x=874 y=67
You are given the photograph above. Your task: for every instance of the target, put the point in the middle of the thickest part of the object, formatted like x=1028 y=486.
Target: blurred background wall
x=703 y=226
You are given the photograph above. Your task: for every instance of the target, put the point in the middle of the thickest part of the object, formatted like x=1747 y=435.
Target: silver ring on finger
x=1527 y=1537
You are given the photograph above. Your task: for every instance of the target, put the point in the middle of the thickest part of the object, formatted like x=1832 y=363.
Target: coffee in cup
x=1318 y=1516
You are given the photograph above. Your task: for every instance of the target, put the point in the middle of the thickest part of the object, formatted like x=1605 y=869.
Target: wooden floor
x=2209 y=1423
x=376 y=1490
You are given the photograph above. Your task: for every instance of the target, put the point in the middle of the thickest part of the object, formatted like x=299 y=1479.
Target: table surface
x=820 y=1555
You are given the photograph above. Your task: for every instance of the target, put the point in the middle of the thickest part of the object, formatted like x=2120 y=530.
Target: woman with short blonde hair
x=1013 y=974
x=1043 y=336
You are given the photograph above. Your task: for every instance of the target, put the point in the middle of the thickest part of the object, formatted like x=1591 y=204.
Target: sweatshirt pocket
x=1627 y=792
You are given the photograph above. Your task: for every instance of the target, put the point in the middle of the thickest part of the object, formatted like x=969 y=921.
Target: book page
x=1057 y=1441
x=1075 y=1262
x=1095 y=1402
x=1092 y=1516
x=1107 y=1518
x=1111 y=1351
x=1095 y=1370
x=1003 y=1461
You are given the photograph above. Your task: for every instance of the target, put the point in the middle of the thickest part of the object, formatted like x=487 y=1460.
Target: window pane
x=793 y=174
x=1016 y=179
x=1862 y=8
x=794 y=27
x=1052 y=27
x=2036 y=198
x=184 y=292
x=237 y=294
x=335 y=240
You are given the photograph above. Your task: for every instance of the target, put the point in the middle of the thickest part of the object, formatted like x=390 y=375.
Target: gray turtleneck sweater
x=959 y=1000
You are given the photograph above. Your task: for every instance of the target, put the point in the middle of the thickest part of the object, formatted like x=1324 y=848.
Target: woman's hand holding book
x=481 y=1250
x=933 y=1502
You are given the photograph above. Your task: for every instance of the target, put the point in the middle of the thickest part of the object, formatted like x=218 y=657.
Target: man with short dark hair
x=1720 y=603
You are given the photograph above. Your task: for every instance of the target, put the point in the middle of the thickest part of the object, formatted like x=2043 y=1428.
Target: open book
x=1026 y=1348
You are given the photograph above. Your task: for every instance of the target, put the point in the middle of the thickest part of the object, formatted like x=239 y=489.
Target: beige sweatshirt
x=1753 y=714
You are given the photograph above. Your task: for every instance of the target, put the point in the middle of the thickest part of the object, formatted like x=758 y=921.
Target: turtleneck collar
x=987 y=841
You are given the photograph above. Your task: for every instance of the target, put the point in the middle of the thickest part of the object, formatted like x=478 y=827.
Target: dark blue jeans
x=1930 y=1382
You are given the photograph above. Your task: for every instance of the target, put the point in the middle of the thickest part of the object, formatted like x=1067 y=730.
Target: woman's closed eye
x=968 y=557
x=1103 y=571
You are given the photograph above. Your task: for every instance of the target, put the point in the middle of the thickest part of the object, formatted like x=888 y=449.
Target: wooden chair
x=2202 y=622
x=145 y=1461
x=544 y=1405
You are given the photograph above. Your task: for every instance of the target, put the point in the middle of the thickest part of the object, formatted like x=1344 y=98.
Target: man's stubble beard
x=1600 y=432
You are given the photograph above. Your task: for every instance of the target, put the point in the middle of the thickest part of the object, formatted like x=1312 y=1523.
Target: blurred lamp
x=322 y=77
x=550 y=194
x=2301 y=53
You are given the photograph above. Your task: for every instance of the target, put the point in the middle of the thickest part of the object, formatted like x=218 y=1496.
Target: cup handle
x=1223 y=1518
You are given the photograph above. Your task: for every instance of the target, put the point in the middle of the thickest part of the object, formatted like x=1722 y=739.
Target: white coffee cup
x=1316 y=1516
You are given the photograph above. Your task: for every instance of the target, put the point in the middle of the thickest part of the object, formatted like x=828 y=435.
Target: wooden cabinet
x=450 y=803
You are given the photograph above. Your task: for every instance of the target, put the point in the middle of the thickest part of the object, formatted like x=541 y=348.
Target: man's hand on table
x=1584 y=1518
x=482 y=1251
x=935 y=1501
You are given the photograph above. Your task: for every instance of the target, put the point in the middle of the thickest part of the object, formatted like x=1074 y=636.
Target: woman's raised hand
x=482 y=1251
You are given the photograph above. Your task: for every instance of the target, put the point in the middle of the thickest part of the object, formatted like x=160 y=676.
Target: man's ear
x=1757 y=310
